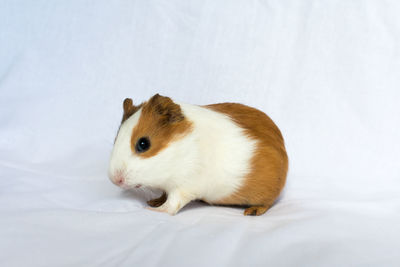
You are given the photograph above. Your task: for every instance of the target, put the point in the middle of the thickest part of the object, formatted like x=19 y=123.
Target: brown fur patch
x=269 y=163
x=161 y=121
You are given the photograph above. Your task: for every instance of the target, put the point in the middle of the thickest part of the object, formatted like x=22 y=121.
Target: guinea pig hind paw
x=255 y=210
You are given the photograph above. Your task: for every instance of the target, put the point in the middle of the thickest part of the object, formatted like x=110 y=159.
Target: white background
x=327 y=72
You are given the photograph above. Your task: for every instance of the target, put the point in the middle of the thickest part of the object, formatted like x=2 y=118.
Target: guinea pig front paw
x=156 y=209
x=164 y=208
x=176 y=200
x=157 y=202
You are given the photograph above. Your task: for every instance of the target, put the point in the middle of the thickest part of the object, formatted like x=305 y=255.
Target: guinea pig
x=222 y=154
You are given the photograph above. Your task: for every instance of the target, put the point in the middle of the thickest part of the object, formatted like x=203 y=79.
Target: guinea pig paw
x=255 y=210
x=163 y=209
x=157 y=202
x=158 y=209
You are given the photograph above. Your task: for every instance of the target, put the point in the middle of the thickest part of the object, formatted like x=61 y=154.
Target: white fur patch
x=224 y=153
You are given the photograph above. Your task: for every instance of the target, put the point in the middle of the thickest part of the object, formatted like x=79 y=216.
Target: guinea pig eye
x=142 y=145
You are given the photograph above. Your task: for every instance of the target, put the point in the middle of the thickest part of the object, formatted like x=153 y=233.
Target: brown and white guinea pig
x=223 y=154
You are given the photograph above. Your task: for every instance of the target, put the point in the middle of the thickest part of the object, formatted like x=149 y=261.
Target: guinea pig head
x=150 y=144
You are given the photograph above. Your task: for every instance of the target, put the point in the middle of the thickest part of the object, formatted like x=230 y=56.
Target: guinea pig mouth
x=138 y=186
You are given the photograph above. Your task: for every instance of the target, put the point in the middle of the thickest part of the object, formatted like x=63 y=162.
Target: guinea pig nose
x=120 y=181
x=118 y=178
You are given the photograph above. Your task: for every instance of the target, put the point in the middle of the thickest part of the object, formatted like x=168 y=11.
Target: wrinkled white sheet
x=328 y=73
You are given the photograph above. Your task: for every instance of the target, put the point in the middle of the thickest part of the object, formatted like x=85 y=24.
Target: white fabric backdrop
x=327 y=72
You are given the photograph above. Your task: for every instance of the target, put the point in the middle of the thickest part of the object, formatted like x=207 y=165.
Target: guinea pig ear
x=127 y=105
x=169 y=111
x=129 y=109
